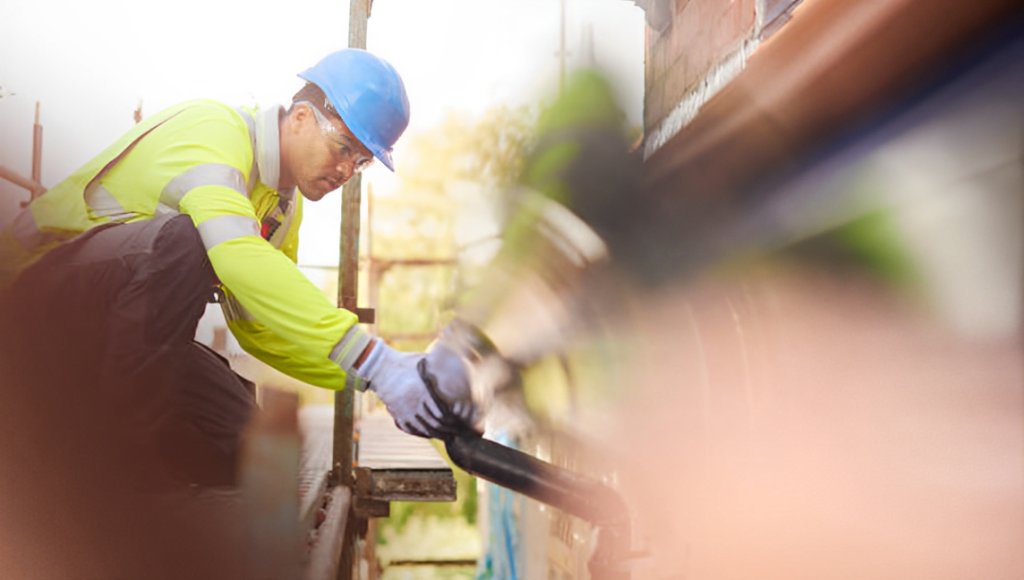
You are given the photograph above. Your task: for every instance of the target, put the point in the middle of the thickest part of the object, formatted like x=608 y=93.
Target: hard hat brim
x=368 y=95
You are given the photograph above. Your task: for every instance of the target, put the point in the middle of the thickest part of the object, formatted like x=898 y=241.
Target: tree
x=453 y=180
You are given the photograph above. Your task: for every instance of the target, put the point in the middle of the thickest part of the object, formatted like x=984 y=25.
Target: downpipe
x=570 y=492
x=545 y=269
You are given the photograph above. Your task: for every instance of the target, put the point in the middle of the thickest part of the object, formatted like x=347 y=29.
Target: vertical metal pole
x=561 y=53
x=373 y=283
x=37 y=149
x=348 y=294
x=348 y=280
x=348 y=271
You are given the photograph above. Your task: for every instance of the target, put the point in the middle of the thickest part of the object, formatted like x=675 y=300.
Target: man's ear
x=297 y=118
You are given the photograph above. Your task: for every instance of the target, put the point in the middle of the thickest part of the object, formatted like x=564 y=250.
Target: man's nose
x=346 y=168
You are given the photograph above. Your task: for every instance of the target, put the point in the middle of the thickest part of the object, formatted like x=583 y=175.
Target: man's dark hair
x=312 y=94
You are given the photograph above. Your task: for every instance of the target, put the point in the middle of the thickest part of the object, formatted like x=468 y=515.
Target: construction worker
x=105 y=276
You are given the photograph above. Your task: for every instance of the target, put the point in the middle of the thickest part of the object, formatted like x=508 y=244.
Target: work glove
x=399 y=379
x=444 y=371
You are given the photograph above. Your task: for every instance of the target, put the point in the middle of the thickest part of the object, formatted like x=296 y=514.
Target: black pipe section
x=570 y=492
x=578 y=495
x=512 y=469
x=520 y=472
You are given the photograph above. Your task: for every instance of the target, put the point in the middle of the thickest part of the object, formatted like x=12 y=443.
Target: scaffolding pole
x=348 y=295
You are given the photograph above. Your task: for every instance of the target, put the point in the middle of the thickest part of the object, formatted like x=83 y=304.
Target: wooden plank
x=401 y=467
x=383 y=446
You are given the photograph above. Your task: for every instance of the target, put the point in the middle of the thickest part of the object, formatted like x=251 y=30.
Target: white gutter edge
x=685 y=111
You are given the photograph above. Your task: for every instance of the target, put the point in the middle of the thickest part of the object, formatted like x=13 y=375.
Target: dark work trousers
x=104 y=325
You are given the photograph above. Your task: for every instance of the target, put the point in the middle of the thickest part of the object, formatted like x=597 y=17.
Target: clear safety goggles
x=339 y=151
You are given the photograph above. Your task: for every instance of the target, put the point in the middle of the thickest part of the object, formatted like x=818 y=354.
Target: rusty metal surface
x=18 y=179
x=363 y=505
x=37 y=149
x=366 y=315
x=326 y=542
x=366 y=508
x=412 y=485
x=348 y=289
x=348 y=298
x=315 y=424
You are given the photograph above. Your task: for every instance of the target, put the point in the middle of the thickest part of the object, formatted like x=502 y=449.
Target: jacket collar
x=268 y=149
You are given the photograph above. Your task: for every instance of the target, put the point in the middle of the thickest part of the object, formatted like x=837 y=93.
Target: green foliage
x=481 y=156
x=488 y=151
x=454 y=179
x=869 y=243
x=429 y=573
x=588 y=99
x=873 y=242
x=412 y=299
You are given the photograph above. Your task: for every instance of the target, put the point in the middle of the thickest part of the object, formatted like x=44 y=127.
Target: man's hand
x=395 y=377
x=448 y=370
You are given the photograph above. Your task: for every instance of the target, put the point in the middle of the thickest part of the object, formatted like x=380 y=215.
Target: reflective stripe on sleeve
x=234 y=311
x=222 y=228
x=200 y=175
x=162 y=209
x=354 y=381
x=348 y=349
x=104 y=204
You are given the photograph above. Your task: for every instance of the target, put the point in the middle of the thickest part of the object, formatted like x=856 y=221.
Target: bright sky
x=90 y=63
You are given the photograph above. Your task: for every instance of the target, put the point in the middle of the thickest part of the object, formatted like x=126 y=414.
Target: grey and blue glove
x=401 y=379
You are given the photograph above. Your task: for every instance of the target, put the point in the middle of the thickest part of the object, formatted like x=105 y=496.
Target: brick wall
x=703 y=32
x=706 y=44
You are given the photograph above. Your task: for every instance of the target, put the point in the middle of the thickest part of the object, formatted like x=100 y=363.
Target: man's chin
x=314 y=193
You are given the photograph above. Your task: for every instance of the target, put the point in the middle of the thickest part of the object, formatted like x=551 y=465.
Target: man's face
x=329 y=154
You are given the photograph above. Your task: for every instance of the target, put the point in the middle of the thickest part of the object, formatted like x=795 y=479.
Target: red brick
x=707 y=11
x=653 y=105
x=703 y=33
x=661 y=57
x=678 y=82
x=648 y=58
x=731 y=29
x=683 y=30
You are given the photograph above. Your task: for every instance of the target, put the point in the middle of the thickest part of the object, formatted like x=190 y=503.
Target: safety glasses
x=335 y=138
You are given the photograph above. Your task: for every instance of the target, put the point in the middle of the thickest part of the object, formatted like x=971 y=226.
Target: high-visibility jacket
x=220 y=166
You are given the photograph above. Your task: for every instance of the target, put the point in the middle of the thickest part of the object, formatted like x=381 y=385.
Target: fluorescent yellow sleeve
x=297 y=325
x=285 y=356
x=196 y=158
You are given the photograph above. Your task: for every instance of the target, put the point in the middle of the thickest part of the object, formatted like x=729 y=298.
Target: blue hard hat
x=368 y=94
